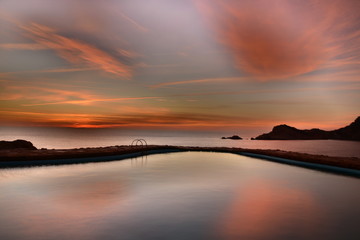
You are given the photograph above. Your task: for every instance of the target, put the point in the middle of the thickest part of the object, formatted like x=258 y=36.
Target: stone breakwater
x=25 y=157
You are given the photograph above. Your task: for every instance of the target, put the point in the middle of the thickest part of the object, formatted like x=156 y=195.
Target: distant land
x=285 y=132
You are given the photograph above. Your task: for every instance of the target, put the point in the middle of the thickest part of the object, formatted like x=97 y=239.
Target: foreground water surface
x=190 y=195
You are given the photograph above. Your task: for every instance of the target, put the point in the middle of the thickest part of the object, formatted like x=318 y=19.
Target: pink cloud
x=283 y=38
x=76 y=51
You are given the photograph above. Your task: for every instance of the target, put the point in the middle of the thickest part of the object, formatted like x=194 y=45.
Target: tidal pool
x=189 y=195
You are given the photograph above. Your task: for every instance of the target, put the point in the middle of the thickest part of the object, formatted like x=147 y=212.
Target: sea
x=67 y=138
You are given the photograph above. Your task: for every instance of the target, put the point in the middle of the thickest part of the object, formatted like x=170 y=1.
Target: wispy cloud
x=89 y=101
x=138 y=26
x=206 y=80
x=54 y=70
x=76 y=51
x=339 y=76
x=73 y=50
x=41 y=96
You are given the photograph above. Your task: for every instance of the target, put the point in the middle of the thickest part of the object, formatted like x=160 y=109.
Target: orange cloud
x=76 y=51
x=125 y=117
x=282 y=38
x=43 y=94
x=51 y=96
x=136 y=117
x=92 y=100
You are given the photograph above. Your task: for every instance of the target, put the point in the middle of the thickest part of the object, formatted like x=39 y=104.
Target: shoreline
x=42 y=157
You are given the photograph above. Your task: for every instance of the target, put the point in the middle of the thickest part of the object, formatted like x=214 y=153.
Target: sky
x=170 y=64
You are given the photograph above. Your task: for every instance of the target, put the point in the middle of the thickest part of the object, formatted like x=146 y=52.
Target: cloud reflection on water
x=254 y=212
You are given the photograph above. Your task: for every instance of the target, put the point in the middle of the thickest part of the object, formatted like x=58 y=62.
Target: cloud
x=132 y=21
x=76 y=51
x=41 y=96
x=135 y=117
x=89 y=101
x=205 y=80
x=158 y=117
x=22 y=46
x=63 y=70
x=53 y=70
x=283 y=38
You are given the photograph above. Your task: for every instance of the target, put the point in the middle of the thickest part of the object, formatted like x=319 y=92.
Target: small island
x=234 y=137
x=285 y=132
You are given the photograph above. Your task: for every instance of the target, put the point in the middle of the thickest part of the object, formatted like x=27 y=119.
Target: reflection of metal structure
x=139 y=161
x=139 y=141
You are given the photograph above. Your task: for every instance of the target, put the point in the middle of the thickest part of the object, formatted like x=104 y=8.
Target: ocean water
x=55 y=138
x=178 y=196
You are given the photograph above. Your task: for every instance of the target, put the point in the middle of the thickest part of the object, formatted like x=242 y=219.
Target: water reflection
x=193 y=195
x=90 y=196
x=139 y=161
x=269 y=210
x=58 y=202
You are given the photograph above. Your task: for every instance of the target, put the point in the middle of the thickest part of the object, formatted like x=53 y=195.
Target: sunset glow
x=179 y=64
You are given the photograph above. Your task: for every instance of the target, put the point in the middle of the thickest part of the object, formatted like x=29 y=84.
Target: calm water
x=77 y=138
x=191 y=195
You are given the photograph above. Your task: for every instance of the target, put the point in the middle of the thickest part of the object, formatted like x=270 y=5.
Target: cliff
x=285 y=132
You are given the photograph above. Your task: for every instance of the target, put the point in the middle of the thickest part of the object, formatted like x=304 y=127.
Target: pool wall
x=315 y=166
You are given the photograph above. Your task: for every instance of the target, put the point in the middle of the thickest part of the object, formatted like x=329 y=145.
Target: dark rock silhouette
x=17 y=144
x=234 y=137
x=285 y=132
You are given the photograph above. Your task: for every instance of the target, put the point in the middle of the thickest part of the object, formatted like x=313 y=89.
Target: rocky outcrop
x=351 y=132
x=17 y=144
x=234 y=137
x=285 y=132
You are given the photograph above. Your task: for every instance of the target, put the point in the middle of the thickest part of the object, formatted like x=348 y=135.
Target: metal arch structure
x=139 y=141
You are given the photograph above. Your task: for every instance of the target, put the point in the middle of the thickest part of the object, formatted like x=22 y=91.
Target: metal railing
x=139 y=142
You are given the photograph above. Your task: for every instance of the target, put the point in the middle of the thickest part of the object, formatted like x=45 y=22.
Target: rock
x=234 y=137
x=351 y=132
x=285 y=132
x=17 y=144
